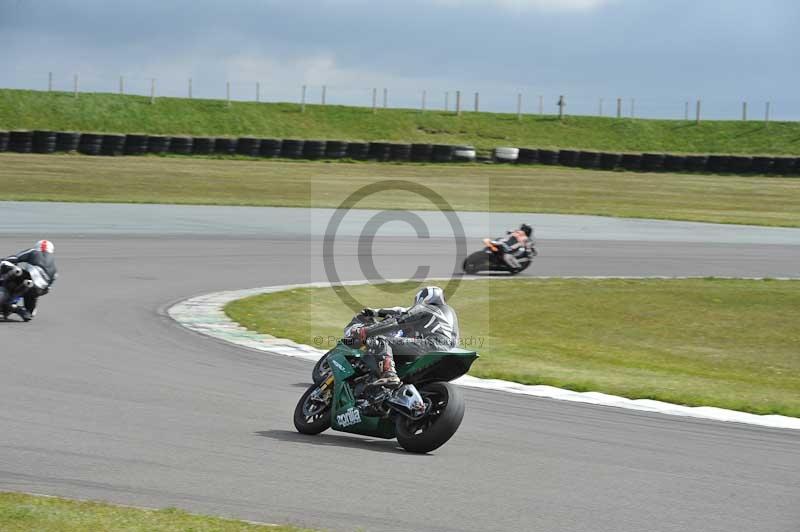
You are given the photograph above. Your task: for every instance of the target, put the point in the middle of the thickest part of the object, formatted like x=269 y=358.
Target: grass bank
x=726 y=343
x=23 y=513
x=472 y=187
x=20 y=109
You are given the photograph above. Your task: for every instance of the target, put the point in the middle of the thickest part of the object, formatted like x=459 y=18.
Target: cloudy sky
x=660 y=52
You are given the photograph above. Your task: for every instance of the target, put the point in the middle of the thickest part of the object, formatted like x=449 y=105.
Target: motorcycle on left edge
x=15 y=279
x=423 y=413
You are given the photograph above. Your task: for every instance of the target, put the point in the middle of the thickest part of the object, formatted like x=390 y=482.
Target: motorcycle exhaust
x=407 y=401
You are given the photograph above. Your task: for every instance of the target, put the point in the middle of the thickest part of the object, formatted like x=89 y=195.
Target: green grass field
x=197 y=180
x=131 y=114
x=25 y=513
x=726 y=343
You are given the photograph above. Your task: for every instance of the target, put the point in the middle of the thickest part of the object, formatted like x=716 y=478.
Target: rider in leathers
x=429 y=325
x=41 y=258
x=516 y=244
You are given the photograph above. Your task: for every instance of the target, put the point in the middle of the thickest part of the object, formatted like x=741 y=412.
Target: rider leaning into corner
x=429 y=325
x=43 y=273
x=516 y=244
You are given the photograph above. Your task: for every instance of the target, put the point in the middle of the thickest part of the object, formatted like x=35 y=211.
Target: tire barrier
x=135 y=145
x=314 y=149
x=203 y=145
x=112 y=144
x=90 y=143
x=528 y=156
x=379 y=151
x=652 y=162
x=335 y=149
x=506 y=155
x=696 y=163
x=610 y=161
x=292 y=149
x=248 y=146
x=157 y=144
x=442 y=153
x=717 y=163
x=399 y=152
x=44 y=142
x=357 y=151
x=225 y=146
x=464 y=154
x=421 y=152
x=3 y=141
x=674 y=163
x=568 y=157
x=631 y=161
x=270 y=148
x=20 y=141
x=589 y=159
x=181 y=145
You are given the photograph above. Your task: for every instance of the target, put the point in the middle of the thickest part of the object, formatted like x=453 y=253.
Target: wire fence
x=519 y=103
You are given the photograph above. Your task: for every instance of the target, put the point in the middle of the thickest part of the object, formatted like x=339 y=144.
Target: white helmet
x=431 y=295
x=45 y=246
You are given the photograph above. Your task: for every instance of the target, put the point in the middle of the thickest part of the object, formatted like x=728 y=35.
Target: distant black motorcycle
x=490 y=259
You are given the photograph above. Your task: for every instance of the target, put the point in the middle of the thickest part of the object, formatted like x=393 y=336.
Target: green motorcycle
x=423 y=413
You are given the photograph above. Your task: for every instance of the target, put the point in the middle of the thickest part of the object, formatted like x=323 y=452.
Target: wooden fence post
x=744 y=111
x=424 y=95
x=152 y=90
x=258 y=91
x=446 y=101
x=619 y=107
x=458 y=103
x=374 y=100
x=697 y=112
x=477 y=102
x=228 y=93
x=519 y=106
x=324 y=91
x=190 y=88
x=561 y=104
x=385 y=98
x=75 y=85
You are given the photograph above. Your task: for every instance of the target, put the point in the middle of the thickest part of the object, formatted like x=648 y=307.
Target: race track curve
x=104 y=397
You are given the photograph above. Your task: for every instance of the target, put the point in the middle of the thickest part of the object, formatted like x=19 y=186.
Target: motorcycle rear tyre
x=315 y=426
x=415 y=439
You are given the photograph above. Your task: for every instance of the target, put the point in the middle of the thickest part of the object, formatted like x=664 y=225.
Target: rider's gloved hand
x=371 y=313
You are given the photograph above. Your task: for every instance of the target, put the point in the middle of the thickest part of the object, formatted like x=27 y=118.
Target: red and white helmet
x=45 y=246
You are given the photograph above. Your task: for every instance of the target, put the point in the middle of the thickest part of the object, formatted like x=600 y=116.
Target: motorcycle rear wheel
x=309 y=416
x=443 y=420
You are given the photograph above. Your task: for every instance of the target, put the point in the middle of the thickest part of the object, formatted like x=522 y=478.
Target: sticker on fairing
x=351 y=417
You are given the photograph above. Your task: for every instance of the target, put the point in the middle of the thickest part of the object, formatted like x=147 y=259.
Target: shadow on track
x=331 y=440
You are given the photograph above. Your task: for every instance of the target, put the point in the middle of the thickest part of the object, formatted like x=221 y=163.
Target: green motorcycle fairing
x=434 y=366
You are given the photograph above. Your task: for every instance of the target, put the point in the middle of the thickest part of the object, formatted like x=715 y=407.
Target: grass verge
x=193 y=180
x=24 y=109
x=712 y=342
x=22 y=513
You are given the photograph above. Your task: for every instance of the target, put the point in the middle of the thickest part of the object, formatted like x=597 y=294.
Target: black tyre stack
x=399 y=152
x=528 y=156
x=464 y=154
x=631 y=161
x=739 y=164
x=314 y=149
x=335 y=149
x=783 y=165
x=762 y=165
x=357 y=150
x=203 y=145
x=135 y=145
x=44 y=142
x=674 y=163
x=653 y=162
x=696 y=163
x=3 y=141
x=442 y=153
x=568 y=157
x=610 y=161
x=548 y=157
x=112 y=144
x=225 y=146
x=421 y=153
x=20 y=141
x=292 y=149
x=589 y=159
x=181 y=145
x=718 y=163
x=90 y=143
x=379 y=151
x=248 y=146
x=158 y=144
x=270 y=148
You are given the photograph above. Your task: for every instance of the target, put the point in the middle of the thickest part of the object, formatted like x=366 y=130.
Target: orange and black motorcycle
x=490 y=259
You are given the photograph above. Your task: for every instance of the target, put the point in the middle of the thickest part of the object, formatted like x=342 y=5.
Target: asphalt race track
x=104 y=397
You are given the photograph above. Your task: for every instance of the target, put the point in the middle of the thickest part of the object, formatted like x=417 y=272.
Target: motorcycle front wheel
x=312 y=416
x=476 y=262
x=321 y=369
x=442 y=421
